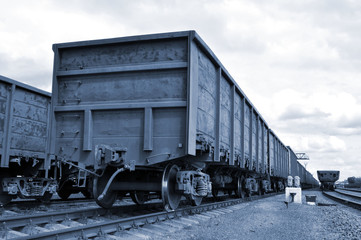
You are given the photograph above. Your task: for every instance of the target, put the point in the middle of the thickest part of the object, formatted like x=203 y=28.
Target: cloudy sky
x=298 y=61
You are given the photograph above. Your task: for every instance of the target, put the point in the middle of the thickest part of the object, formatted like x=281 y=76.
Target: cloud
x=298 y=112
x=317 y=143
x=23 y=69
x=297 y=61
x=350 y=122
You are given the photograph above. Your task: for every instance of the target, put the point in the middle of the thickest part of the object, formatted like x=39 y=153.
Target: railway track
x=31 y=207
x=116 y=223
x=352 y=189
x=345 y=196
x=34 y=203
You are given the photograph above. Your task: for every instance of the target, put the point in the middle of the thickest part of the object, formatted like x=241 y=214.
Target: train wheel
x=275 y=187
x=64 y=192
x=196 y=200
x=87 y=194
x=4 y=197
x=215 y=192
x=259 y=188
x=139 y=197
x=171 y=198
x=240 y=191
x=46 y=198
x=99 y=184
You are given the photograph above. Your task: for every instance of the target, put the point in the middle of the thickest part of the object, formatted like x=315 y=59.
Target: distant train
x=328 y=179
x=158 y=115
x=354 y=182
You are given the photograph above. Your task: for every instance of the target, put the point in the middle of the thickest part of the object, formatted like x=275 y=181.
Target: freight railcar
x=157 y=114
x=353 y=182
x=296 y=169
x=328 y=178
x=24 y=129
x=311 y=181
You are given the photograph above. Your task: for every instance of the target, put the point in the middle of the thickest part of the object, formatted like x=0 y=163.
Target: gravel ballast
x=271 y=219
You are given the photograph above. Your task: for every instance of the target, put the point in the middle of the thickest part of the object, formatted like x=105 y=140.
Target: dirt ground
x=271 y=219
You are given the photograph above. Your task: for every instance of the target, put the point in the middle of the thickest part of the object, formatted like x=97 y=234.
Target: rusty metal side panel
x=293 y=163
x=259 y=146
x=192 y=98
x=68 y=138
x=277 y=157
x=3 y=103
x=254 y=140
x=265 y=149
x=247 y=135
x=284 y=172
x=29 y=123
x=207 y=99
x=285 y=169
x=226 y=111
x=135 y=86
x=130 y=95
x=282 y=167
x=24 y=121
x=301 y=172
x=4 y=122
x=271 y=160
x=238 y=123
x=123 y=53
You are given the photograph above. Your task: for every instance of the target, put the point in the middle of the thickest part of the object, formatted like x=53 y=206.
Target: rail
x=343 y=197
x=89 y=223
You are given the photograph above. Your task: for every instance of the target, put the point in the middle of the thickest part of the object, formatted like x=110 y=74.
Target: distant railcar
x=328 y=179
x=157 y=114
x=296 y=169
x=353 y=182
x=24 y=130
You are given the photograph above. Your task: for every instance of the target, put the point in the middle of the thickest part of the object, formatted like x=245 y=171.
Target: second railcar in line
x=25 y=170
x=157 y=114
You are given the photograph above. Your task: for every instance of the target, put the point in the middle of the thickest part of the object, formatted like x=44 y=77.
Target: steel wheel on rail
x=259 y=184
x=170 y=197
x=214 y=192
x=196 y=200
x=99 y=184
x=4 y=197
x=46 y=198
x=87 y=194
x=239 y=191
x=275 y=187
x=64 y=195
x=64 y=190
x=139 y=197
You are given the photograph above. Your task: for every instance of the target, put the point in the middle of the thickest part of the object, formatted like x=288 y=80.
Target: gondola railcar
x=328 y=178
x=157 y=114
x=24 y=129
